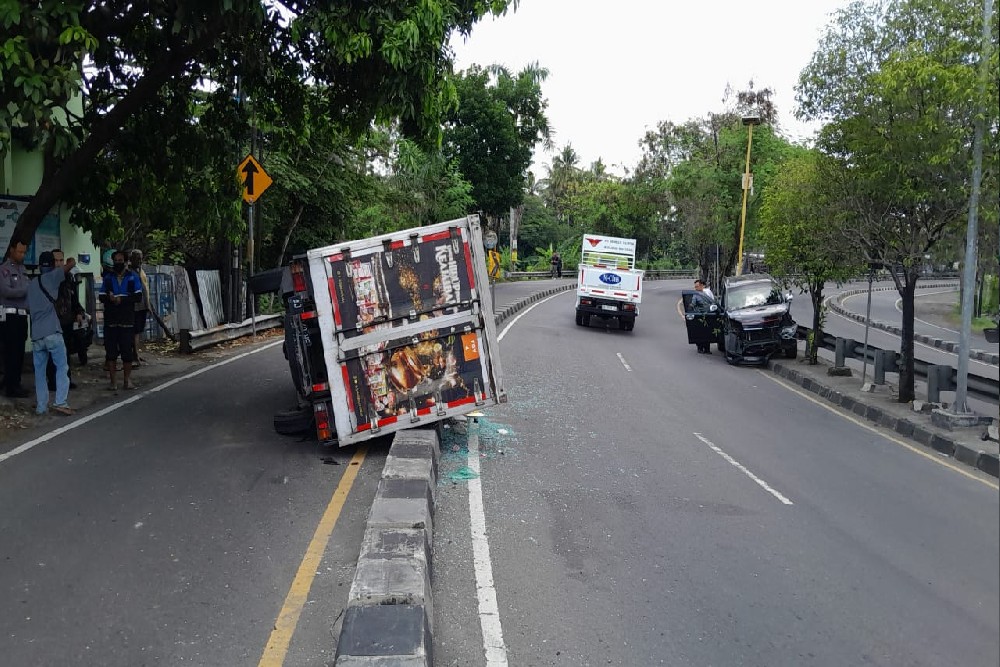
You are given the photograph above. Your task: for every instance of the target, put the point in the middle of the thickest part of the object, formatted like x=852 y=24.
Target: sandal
x=64 y=410
x=130 y=386
x=112 y=387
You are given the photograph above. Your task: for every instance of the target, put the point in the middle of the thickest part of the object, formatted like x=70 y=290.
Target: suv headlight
x=789 y=332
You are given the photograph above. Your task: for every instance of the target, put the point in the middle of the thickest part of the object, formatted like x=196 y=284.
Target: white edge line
x=624 y=363
x=871 y=427
x=131 y=399
x=742 y=468
x=489 y=612
x=528 y=310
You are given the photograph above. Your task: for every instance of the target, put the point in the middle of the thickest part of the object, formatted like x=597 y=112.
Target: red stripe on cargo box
x=347 y=386
x=311 y=315
x=367 y=426
x=468 y=266
x=335 y=258
x=333 y=299
x=597 y=291
x=461 y=401
x=396 y=245
x=437 y=237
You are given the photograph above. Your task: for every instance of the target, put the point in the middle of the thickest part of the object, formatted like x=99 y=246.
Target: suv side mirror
x=789 y=296
x=713 y=308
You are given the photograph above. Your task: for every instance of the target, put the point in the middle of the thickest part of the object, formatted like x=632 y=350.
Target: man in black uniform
x=14 y=318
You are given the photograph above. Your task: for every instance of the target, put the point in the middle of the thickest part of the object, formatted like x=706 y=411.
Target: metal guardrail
x=192 y=341
x=983 y=387
x=652 y=274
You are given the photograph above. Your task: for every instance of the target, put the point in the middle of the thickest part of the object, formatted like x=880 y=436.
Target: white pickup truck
x=609 y=286
x=390 y=332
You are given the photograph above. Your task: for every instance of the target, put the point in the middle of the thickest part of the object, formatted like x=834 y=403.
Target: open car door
x=702 y=317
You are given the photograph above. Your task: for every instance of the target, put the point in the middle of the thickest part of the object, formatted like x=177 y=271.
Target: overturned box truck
x=387 y=333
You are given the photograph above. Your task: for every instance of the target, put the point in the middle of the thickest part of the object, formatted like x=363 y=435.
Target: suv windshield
x=748 y=296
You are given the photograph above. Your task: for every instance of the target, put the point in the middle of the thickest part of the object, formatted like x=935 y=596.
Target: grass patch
x=978 y=323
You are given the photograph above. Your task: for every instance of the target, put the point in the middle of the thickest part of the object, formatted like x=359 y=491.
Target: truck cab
x=608 y=286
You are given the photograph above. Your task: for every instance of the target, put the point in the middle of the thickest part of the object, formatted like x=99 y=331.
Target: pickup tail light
x=324 y=430
x=586 y=302
x=298 y=277
x=629 y=306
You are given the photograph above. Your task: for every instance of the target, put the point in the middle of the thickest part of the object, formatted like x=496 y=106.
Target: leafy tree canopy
x=492 y=133
x=377 y=60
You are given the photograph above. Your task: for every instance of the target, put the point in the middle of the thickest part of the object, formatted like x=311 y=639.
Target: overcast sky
x=618 y=68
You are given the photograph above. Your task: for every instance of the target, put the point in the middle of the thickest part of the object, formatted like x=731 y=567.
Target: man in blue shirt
x=120 y=291
x=46 y=334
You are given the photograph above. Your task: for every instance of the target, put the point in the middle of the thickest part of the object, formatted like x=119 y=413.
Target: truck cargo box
x=407 y=329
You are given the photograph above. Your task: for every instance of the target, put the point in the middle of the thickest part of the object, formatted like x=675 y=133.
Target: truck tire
x=293 y=422
x=628 y=325
x=579 y=319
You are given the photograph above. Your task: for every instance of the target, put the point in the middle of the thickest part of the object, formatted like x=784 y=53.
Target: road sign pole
x=251 y=299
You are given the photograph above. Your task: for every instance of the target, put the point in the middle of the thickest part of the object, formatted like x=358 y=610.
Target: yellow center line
x=298 y=594
x=871 y=428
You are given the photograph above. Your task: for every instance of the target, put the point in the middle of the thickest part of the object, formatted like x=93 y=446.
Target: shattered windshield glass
x=748 y=296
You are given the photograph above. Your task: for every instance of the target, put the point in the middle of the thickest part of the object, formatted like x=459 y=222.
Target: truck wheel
x=579 y=319
x=293 y=422
x=586 y=319
x=628 y=325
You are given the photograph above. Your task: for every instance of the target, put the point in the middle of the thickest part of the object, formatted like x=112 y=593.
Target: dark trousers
x=14 y=334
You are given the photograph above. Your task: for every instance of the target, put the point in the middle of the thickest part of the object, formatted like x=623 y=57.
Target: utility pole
x=971 y=255
x=749 y=121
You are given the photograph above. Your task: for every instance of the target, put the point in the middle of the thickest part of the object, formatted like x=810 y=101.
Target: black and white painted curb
x=985 y=461
x=507 y=311
x=390 y=613
x=947 y=345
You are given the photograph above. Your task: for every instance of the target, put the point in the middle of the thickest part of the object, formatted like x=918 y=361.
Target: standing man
x=703 y=290
x=120 y=291
x=47 y=342
x=14 y=311
x=142 y=305
x=69 y=310
x=700 y=286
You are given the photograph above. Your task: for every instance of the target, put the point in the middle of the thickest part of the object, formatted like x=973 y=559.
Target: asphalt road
x=647 y=505
x=171 y=530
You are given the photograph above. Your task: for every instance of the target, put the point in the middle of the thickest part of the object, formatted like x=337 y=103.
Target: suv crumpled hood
x=758 y=314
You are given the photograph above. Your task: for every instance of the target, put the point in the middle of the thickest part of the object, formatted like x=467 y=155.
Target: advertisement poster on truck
x=402 y=283
x=406 y=327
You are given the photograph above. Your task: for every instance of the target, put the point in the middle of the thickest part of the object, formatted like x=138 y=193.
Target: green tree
x=379 y=60
x=798 y=233
x=492 y=133
x=900 y=94
x=420 y=188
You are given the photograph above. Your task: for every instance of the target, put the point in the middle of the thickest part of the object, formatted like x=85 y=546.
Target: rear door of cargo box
x=408 y=330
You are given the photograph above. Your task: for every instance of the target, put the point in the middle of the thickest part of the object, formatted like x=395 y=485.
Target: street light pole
x=961 y=406
x=749 y=121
